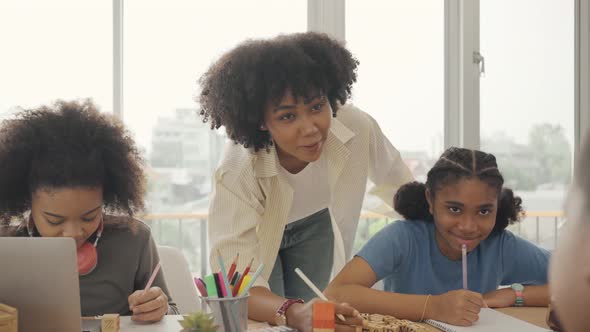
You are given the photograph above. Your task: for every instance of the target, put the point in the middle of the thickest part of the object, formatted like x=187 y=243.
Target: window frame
x=581 y=72
x=118 y=58
x=461 y=72
x=461 y=109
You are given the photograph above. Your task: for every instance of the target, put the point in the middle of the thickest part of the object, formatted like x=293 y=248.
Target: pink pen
x=224 y=290
x=152 y=277
x=464 y=261
x=201 y=286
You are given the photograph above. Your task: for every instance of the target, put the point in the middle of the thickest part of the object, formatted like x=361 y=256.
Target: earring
x=100 y=230
x=30 y=227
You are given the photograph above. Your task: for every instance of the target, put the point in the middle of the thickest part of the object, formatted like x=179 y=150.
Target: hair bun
x=510 y=207
x=410 y=201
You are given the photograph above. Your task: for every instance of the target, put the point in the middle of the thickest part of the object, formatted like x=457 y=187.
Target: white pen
x=315 y=289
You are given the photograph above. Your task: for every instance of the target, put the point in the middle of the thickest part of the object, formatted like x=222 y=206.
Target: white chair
x=179 y=279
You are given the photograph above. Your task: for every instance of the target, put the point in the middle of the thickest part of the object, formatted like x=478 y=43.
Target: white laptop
x=39 y=277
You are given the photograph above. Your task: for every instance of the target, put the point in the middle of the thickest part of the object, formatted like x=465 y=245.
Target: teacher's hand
x=300 y=316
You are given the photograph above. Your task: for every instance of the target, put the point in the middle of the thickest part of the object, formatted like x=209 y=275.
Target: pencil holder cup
x=229 y=313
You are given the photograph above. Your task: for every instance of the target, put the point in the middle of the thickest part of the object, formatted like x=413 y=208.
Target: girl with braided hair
x=463 y=202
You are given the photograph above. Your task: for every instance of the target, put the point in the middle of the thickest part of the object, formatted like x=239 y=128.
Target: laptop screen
x=41 y=282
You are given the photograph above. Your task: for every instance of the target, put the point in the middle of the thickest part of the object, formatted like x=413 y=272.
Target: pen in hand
x=152 y=277
x=315 y=289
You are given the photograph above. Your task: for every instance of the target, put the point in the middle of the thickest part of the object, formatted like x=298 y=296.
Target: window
x=168 y=45
x=401 y=74
x=400 y=79
x=527 y=100
x=64 y=49
x=59 y=49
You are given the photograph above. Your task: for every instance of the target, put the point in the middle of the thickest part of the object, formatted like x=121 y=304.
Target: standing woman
x=290 y=187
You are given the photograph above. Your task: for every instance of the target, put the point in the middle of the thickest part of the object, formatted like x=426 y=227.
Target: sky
x=63 y=49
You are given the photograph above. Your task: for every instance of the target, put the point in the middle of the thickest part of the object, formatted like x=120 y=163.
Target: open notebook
x=489 y=320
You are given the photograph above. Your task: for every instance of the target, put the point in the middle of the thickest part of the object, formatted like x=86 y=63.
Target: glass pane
x=527 y=103
x=400 y=46
x=58 y=49
x=168 y=46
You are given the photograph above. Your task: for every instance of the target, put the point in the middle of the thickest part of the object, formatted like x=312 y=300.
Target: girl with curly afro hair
x=289 y=189
x=68 y=170
x=462 y=204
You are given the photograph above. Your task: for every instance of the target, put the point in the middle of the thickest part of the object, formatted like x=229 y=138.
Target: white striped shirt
x=250 y=202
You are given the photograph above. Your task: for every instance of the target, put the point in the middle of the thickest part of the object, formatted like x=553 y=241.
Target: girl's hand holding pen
x=458 y=307
x=150 y=306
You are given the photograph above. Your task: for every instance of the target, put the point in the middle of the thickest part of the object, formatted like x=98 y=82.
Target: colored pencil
x=223 y=272
x=237 y=286
x=232 y=268
x=253 y=279
x=464 y=264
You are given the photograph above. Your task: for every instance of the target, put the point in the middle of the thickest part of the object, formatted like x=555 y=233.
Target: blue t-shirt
x=406 y=256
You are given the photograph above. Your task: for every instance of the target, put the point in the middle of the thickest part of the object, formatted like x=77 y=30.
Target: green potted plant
x=198 y=321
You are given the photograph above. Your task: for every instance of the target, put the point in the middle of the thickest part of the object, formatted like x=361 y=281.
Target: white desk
x=168 y=324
